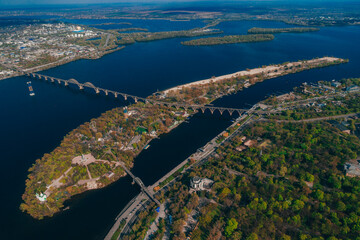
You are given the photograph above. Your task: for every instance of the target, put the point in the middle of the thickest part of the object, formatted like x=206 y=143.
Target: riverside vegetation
x=230 y=39
x=130 y=38
x=256 y=30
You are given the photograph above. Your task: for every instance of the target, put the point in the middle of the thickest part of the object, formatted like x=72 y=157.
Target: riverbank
x=64 y=61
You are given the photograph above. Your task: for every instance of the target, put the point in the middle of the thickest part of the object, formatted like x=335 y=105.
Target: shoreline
x=64 y=61
x=40 y=209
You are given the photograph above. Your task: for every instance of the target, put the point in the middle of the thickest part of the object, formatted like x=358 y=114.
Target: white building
x=42 y=197
x=198 y=183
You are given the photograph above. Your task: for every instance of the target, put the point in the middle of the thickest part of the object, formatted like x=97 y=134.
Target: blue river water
x=32 y=126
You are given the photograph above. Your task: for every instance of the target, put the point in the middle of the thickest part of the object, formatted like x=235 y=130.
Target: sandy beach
x=271 y=71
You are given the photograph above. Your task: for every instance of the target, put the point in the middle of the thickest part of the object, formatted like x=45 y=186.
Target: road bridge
x=140 y=183
x=177 y=105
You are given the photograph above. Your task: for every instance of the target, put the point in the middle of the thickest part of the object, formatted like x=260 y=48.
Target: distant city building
x=336 y=84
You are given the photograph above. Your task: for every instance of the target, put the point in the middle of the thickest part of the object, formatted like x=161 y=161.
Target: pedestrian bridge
x=126 y=96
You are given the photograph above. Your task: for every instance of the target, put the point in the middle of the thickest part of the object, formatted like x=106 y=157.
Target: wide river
x=32 y=126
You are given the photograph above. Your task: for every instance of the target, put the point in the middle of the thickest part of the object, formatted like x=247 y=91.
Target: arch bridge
x=98 y=90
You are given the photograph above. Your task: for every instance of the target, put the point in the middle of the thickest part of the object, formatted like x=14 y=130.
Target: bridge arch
x=90 y=85
x=74 y=81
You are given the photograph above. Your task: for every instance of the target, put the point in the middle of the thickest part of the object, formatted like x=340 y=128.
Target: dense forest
x=290 y=185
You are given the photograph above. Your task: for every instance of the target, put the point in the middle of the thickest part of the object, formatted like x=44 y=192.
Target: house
x=240 y=148
x=340 y=126
x=352 y=168
x=250 y=143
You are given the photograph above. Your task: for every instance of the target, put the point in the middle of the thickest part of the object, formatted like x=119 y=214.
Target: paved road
x=153 y=227
x=127 y=213
x=314 y=119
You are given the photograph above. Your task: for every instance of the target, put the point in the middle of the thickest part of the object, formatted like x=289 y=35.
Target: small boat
x=147 y=146
x=31 y=89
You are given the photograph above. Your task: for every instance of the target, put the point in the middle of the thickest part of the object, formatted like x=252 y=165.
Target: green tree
x=252 y=236
x=231 y=226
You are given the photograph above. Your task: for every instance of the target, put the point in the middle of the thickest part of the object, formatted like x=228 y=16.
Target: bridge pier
x=230 y=112
x=52 y=79
x=66 y=83
x=106 y=92
x=202 y=110
x=59 y=81
x=212 y=110
x=39 y=76
x=81 y=87
x=136 y=100
x=115 y=94
x=45 y=78
x=125 y=97
x=221 y=111
x=97 y=91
